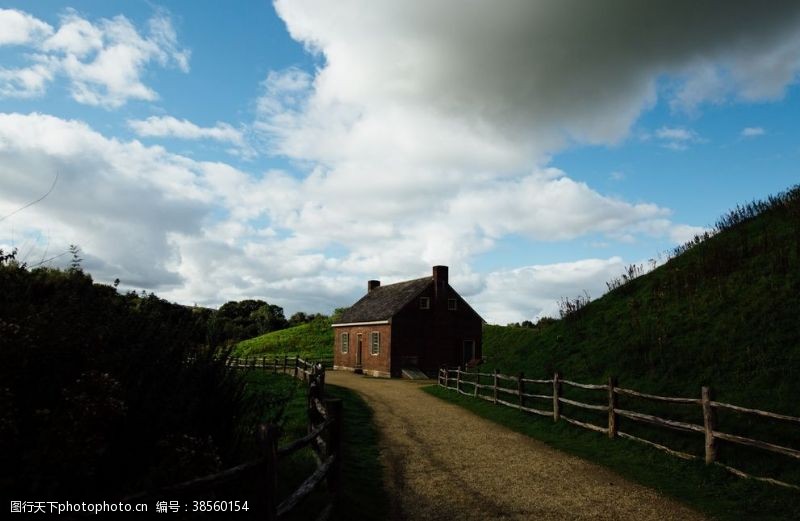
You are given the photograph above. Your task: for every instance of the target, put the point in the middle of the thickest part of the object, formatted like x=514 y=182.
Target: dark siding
x=435 y=336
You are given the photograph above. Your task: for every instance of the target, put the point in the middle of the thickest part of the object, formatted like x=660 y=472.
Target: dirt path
x=443 y=462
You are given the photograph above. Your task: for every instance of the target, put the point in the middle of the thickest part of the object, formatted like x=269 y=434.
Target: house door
x=358 y=352
x=468 y=351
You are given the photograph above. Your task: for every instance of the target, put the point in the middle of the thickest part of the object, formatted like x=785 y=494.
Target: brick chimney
x=439 y=282
x=372 y=284
x=440 y=274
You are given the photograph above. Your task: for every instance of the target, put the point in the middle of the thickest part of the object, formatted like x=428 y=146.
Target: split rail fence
x=456 y=379
x=324 y=437
x=278 y=364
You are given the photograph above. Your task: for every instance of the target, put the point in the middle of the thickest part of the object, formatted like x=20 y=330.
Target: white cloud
x=168 y=126
x=27 y=82
x=682 y=233
x=532 y=292
x=119 y=201
x=675 y=134
x=430 y=144
x=677 y=138
x=18 y=28
x=420 y=143
x=752 y=132
x=103 y=61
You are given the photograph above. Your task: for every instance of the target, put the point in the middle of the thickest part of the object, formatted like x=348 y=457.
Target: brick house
x=421 y=323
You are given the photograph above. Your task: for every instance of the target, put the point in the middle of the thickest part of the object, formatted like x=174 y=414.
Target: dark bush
x=103 y=394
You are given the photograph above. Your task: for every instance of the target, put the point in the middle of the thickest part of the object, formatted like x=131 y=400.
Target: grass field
x=313 y=340
x=710 y=490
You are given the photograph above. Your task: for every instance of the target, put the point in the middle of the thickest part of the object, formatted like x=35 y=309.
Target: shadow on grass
x=363 y=495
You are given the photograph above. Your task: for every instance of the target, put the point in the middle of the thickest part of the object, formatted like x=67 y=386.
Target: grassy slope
x=724 y=314
x=314 y=340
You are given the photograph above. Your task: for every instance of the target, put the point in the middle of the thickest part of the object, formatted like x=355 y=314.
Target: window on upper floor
x=452 y=304
x=424 y=303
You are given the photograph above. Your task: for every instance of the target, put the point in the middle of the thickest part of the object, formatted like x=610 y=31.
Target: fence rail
x=325 y=418
x=278 y=364
x=456 y=379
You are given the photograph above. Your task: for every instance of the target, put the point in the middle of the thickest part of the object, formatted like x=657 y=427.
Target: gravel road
x=443 y=462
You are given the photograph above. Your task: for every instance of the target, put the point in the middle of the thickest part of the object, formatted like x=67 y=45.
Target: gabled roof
x=383 y=302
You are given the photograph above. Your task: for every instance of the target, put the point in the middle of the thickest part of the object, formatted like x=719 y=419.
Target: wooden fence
x=324 y=437
x=457 y=378
x=277 y=364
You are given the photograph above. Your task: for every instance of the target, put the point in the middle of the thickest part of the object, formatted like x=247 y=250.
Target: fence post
x=458 y=379
x=296 y=364
x=311 y=410
x=475 y=386
x=494 y=387
x=521 y=389
x=285 y=360
x=446 y=378
x=709 y=423
x=612 y=406
x=275 y=367
x=320 y=370
x=556 y=395
x=267 y=437
x=334 y=408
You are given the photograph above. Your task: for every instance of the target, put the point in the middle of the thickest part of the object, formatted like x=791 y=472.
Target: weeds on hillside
x=570 y=307
x=631 y=272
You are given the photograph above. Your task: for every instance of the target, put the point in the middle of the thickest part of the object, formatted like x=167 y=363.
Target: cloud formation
x=544 y=72
x=532 y=292
x=103 y=62
x=752 y=132
x=677 y=138
x=171 y=127
x=424 y=137
x=20 y=28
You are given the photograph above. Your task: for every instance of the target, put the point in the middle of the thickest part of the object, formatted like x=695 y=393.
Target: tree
x=269 y=317
x=298 y=318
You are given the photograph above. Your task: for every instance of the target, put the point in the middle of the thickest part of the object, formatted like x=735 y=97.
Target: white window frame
x=375 y=343
x=345 y=343
x=454 y=303
x=424 y=303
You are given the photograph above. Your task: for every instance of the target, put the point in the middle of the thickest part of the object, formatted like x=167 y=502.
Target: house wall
x=434 y=337
x=373 y=365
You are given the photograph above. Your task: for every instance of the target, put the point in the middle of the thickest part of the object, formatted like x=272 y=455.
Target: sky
x=290 y=151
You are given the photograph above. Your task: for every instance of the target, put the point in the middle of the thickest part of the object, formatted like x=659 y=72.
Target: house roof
x=384 y=302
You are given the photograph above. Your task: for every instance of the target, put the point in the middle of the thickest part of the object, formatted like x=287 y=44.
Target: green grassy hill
x=724 y=312
x=312 y=340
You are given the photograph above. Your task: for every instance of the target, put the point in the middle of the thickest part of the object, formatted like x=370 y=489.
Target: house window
x=345 y=342
x=424 y=303
x=376 y=343
x=451 y=304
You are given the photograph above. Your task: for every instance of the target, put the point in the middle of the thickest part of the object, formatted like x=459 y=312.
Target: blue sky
x=290 y=152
